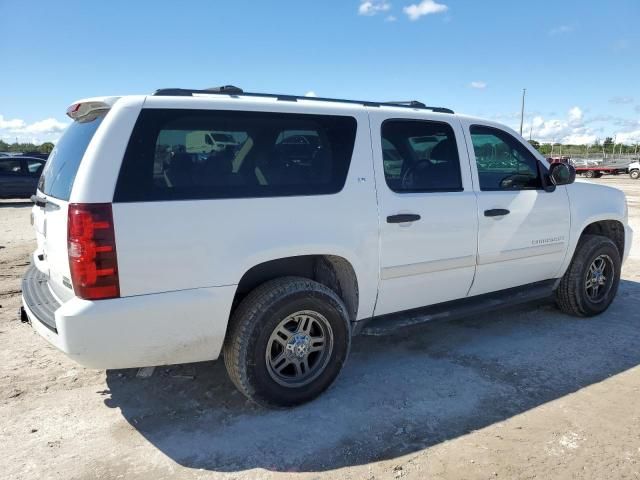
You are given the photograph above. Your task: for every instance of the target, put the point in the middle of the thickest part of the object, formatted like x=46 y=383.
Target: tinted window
x=192 y=154
x=420 y=156
x=503 y=162
x=63 y=162
x=10 y=166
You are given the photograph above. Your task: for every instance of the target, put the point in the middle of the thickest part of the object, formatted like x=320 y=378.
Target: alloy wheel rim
x=599 y=278
x=299 y=348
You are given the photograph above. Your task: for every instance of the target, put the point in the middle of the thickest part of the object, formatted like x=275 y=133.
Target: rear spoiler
x=83 y=108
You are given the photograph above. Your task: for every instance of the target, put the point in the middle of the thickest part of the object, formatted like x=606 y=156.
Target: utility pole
x=524 y=92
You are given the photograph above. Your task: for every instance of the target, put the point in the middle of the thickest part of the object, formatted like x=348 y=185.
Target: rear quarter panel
x=176 y=245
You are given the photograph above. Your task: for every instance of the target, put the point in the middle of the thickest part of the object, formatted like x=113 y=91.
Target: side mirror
x=562 y=174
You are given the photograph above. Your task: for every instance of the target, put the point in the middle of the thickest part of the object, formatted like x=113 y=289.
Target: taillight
x=91 y=244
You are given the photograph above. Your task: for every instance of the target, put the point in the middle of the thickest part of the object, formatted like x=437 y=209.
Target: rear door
x=54 y=188
x=428 y=213
x=523 y=229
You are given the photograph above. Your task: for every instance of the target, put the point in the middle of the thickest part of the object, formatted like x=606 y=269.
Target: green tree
x=46 y=147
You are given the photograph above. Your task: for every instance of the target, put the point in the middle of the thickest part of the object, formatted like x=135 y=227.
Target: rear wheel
x=635 y=174
x=591 y=281
x=287 y=342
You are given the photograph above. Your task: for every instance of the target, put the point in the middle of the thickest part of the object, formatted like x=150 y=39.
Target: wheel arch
x=333 y=271
x=612 y=229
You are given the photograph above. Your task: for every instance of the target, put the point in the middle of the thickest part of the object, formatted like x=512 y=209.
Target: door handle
x=496 y=212
x=403 y=218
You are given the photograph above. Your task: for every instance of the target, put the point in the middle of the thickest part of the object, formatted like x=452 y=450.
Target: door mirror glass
x=562 y=173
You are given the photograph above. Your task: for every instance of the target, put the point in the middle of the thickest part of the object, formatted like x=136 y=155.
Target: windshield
x=63 y=162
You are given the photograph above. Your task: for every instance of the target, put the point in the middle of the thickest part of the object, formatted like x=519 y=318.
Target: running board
x=455 y=309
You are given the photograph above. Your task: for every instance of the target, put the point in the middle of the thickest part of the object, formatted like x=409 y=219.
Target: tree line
x=45 y=147
x=607 y=147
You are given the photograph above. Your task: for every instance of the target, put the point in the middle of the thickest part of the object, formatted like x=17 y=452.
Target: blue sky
x=579 y=60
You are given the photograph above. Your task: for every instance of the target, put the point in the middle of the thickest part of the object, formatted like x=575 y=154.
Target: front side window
x=503 y=162
x=420 y=156
x=198 y=154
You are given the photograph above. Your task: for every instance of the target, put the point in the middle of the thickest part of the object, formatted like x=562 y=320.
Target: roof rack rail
x=236 y=91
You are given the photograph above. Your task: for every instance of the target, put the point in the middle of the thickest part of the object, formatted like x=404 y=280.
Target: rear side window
x=10 y=166
x=62 y=165
x=420 y=156
x=197 y=154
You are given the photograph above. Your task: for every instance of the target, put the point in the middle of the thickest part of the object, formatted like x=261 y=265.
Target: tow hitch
x=24 y=318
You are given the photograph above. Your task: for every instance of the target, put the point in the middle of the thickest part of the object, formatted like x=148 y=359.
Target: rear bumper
x=147 y=330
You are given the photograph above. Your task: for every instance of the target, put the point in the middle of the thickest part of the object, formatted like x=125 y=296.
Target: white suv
x=315 y=218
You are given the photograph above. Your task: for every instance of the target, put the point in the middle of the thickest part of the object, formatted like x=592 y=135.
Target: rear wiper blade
x=39 y=201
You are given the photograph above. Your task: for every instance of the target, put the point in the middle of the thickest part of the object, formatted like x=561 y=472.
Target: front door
x=523 y=229
x=428 y=213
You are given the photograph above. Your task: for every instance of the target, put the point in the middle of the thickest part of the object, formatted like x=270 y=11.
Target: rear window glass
x=195 y=154
x=63 y=162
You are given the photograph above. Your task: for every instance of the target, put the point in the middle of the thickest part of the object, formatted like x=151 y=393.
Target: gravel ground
x=523 y=393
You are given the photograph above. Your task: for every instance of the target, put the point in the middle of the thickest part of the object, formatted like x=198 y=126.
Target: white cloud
x=478 y=85
x=390 y=18
x=560 y=30
x=575 y=116
x=621 y=45
x=621 y=100
x=373 y=7
x=425 y=7
x=11 y=124
x=628 y=137
x=47 y=130
x=572 y=129
x=310 y=93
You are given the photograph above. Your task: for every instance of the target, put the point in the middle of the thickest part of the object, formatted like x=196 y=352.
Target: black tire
x=572 y=295
x=589 y=174
x=635 y=174
x=250 y=341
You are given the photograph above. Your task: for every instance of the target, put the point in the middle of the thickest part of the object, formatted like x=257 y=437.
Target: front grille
x=38 y=298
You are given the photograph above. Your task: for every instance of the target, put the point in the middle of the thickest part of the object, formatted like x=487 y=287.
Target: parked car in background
x=634 y=170
x=19 y=176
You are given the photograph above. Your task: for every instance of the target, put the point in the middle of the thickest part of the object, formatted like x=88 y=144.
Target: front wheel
x=287 y=342
x=635 y=174
x=590 y=283
x=589 y=174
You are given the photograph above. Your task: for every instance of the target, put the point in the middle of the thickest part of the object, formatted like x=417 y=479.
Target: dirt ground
x=524 y=393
